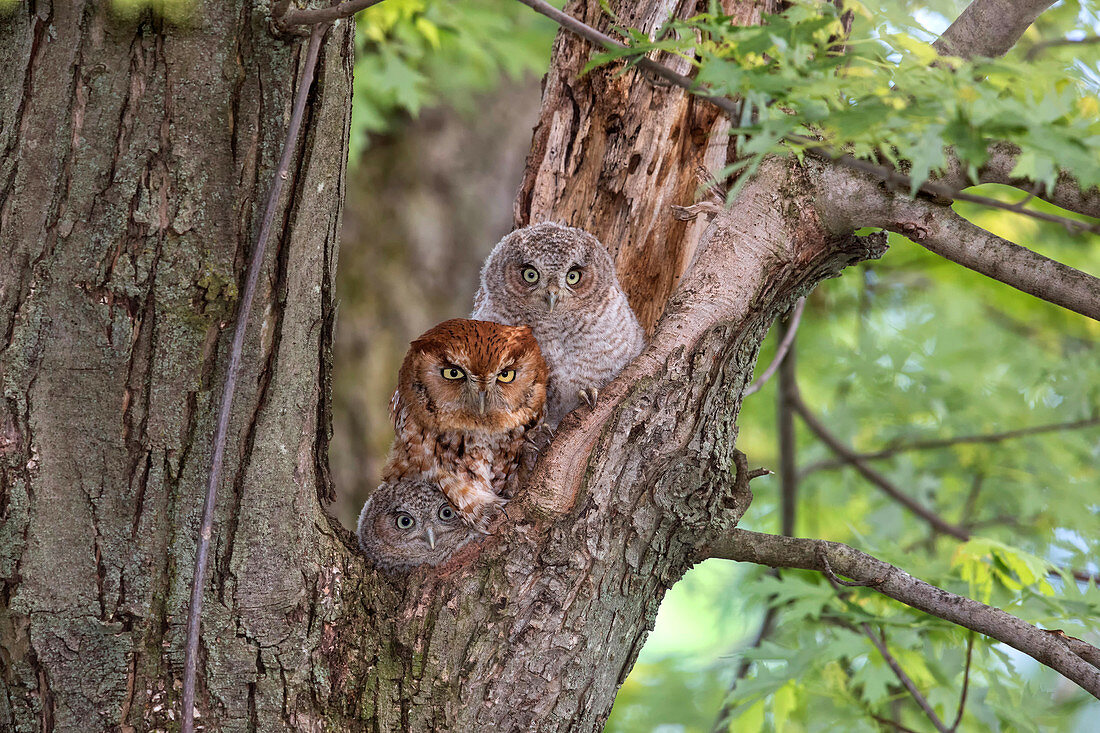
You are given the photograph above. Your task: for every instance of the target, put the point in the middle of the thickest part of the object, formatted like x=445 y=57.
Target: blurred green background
x=907 y=348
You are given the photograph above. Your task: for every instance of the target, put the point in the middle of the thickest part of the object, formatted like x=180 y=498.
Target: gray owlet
x=410 y=522
x=561 y=282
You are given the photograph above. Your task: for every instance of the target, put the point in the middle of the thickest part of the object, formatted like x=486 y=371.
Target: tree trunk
x=123 y=249
x=136 y=157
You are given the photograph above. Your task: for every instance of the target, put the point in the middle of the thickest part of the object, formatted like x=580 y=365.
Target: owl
x=467 y=394
x=561 y=282
x=410 y=522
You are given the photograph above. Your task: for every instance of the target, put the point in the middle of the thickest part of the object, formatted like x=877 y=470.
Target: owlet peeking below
x=561 y=282
x=467 y=393
x=409 y=523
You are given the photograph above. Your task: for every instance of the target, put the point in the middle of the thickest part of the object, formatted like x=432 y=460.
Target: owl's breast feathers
x=473 y=468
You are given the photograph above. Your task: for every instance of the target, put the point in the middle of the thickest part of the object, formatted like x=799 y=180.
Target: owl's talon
x=481 y=517
x=539 y=437
x=589 y=395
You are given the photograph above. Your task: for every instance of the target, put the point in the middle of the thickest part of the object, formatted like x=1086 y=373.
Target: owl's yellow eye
x=453 y=373
x=573 y=276
x=405 y=521
x=506 y=376
x=530 y=275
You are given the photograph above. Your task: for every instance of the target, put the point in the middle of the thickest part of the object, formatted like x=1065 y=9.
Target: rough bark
x=990 y=27
x=135 y=156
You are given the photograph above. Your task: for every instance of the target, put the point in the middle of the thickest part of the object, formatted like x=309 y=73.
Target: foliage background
x=908 y=347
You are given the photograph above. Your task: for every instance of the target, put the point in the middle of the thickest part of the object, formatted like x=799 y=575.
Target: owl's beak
x=481 y=402
x=429 y=537
x=551 y=298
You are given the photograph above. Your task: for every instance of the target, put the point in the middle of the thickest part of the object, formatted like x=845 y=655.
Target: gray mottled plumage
x=585 y=329
x=410 y=522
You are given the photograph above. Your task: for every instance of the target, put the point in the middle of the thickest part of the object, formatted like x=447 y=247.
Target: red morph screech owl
x=467 y=393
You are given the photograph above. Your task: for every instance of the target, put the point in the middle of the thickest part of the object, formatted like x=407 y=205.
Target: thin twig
x=936 y=521
x=312 y=16
x=886 y=174
x=938 y=443
x=1072 y=658
x=725 y=713
x=1042 y=46
x=966 y=682
x=893 y=723
x=971 y=503
x=904 y=678
x=1082 y=576
x=599 y=38
x=781 y=352
x=202 y=549
x=788 y=439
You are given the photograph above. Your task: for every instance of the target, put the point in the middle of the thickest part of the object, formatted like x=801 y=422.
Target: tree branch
x=1001 y=161
x=989 y=27
x=1052 y=650
x=939 y=190
x=1010 y=20
x=934 y=520
x=856 y=202
x=781 y=352
x=287 y=16
x=786 y=407
x=954 y=238
x=1042 y=46
x=938 y=443
x=202 y=548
